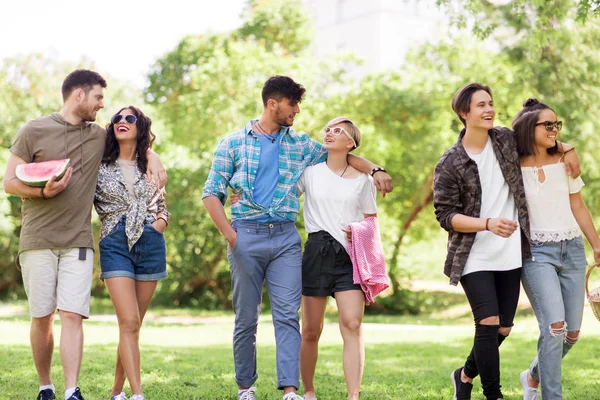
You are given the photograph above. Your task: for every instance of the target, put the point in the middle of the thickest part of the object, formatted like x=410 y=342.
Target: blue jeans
x=271 y=253
x=146 y=261
x=554 y=280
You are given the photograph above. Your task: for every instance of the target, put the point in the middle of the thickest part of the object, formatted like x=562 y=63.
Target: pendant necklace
x=344 y=171
x=271 y=136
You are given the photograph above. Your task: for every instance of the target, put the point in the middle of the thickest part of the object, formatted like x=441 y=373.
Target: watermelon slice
x=39 y=173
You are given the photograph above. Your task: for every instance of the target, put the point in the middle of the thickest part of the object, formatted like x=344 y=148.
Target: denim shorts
x=146 y=261
x=326 y=266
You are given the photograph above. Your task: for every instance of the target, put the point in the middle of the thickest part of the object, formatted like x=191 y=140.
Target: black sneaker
x=46 y=394
x=76 y=395
x=462 y=390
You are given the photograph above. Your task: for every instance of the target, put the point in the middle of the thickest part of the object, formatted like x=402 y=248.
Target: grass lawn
x=407 y=358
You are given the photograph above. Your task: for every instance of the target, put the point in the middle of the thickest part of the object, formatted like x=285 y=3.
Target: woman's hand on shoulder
x=156 y=171
x=571 y=160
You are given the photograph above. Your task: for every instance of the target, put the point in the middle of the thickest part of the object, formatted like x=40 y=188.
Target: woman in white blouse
x=554 y=277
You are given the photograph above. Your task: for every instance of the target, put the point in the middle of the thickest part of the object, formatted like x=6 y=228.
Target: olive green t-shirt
x=63 y=221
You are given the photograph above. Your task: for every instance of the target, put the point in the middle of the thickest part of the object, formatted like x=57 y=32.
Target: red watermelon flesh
x=39 y=173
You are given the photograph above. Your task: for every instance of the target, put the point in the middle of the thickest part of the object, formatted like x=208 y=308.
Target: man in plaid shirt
x=262 y=162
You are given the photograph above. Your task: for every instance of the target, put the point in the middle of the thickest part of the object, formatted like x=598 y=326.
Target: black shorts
x=326 y=266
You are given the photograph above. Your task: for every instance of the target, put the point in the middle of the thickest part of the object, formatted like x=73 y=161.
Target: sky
x=123 y=37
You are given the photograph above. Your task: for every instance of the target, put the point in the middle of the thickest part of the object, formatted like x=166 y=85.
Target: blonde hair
x=349 y=126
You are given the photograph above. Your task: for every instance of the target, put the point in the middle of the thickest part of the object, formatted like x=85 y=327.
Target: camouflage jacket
x=457 y=190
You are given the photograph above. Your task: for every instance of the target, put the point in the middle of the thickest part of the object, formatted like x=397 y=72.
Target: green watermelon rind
x=42 y=183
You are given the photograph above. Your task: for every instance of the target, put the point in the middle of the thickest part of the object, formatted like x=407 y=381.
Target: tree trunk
x=426 y=197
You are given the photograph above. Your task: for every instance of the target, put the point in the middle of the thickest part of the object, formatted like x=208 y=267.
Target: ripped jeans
x=554 y=280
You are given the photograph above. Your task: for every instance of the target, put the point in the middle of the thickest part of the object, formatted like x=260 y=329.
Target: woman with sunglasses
x=132 y=246
x=554 y=277
x=479 y=199
x=336 y=195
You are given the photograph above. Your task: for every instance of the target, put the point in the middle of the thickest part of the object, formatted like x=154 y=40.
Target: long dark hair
x=145 y=138
x=524 y=126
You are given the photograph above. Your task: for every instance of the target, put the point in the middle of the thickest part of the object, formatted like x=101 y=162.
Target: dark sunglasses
x=551 y=125
x=130 y=119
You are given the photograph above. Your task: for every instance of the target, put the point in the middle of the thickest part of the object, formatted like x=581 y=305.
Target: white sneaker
x=120 y=396
x=529 y=393
x=248 y=394
x=137 y=397
x=292 y=396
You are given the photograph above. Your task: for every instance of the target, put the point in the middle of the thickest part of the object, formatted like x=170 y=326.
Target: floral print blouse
x=113 y=201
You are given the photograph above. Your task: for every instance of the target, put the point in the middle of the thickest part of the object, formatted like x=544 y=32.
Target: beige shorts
x=57 y=279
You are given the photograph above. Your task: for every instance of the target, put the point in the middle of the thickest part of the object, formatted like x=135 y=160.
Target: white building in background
x=379 y=31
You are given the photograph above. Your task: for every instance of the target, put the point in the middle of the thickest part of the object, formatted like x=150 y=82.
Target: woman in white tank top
x=554 y=277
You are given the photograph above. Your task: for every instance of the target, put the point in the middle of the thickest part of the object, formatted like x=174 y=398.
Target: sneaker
x=292 y=396
x=76 y=395
x=137 y=397
x=46 y=394
x=120 y=396
x=529 y=393
x=248 y=394
x=462 y=390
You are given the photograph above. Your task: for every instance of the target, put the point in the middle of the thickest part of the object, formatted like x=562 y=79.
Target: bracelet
x=377 y=169
x=487 y=220
x=164 y=219
x=42 y=192
x=566 y=151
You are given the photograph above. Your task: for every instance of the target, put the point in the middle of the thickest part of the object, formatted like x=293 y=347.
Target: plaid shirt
x=236 y=163
x=457 y=190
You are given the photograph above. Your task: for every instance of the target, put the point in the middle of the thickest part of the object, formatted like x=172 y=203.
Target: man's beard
x=282 y=121
x=87 y=115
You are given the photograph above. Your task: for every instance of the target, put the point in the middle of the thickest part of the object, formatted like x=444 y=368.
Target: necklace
x=271 y=136
x=344 y=171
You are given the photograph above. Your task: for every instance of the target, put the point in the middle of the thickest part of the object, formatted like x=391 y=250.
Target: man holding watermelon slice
x=56 y=242
x=263 y=162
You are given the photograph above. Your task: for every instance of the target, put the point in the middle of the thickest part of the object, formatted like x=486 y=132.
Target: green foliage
x=277 y=24
x=209 y=85
x=487 y=17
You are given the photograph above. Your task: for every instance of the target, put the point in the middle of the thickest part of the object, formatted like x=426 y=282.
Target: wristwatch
x=377 y=169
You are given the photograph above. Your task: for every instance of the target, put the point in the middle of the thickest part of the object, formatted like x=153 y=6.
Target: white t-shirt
x=550 y=215
x=332 y=202
x=491 y=252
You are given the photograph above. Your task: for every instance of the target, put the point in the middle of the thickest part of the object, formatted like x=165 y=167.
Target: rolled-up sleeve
x=220 y=173
x=446 y=196
x=317 y=152
x=161 y=205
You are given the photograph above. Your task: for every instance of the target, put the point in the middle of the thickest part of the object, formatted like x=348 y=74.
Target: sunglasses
x=338 y=131
x=551 y=125
x=130 y=119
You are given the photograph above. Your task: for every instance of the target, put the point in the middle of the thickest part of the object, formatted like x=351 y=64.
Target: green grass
x=407 y=358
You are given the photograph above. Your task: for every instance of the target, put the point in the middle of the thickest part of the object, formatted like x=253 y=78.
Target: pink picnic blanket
x=368 y=261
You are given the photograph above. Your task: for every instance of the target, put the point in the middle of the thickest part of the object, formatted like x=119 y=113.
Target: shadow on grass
x=406 y=371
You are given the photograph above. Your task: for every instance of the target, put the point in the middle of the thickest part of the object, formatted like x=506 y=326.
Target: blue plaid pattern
x=236 y=162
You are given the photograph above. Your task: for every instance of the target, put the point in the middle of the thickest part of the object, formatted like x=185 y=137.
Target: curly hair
x=145 y=138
